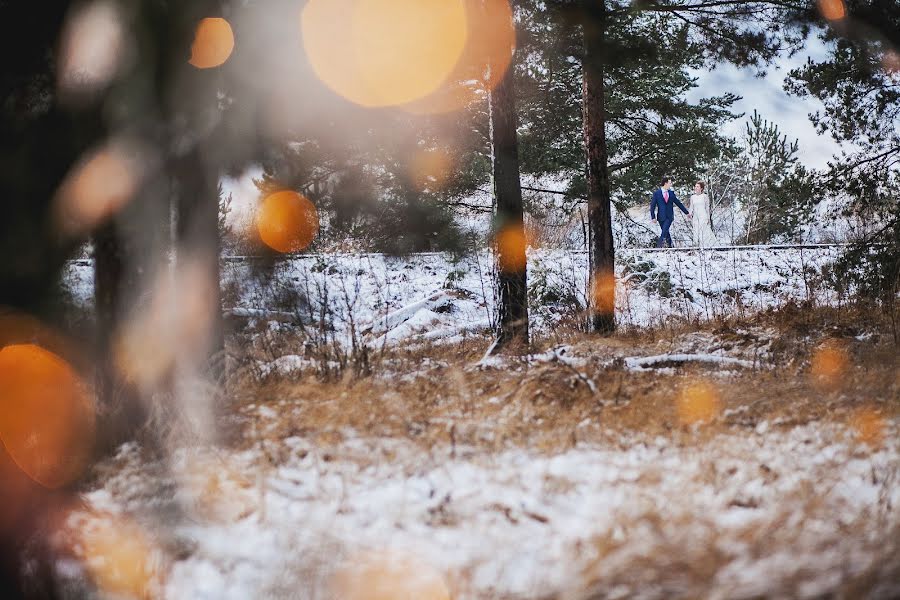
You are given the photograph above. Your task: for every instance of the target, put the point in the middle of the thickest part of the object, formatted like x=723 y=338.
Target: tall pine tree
x=617 y=35
x=512 y=268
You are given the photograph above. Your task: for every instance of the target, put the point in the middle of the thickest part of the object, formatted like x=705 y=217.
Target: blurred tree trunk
x=198 y=240
x=511 y=271
x=602 y=284
x=119 y=405
x=133 y=251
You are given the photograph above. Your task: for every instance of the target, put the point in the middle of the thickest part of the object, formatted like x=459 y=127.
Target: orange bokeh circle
x=699 y=402
x=430 y=168
x=484 y=61
x=213 y=43
x=384 y=52
x=95 y=190
x=512 y=244
x=47 y=421
x=287 y=221
x=388 y=575
x=833 y=10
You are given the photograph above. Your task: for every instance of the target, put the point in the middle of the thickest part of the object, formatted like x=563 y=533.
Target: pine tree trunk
x=602 y=292
x=511 y=270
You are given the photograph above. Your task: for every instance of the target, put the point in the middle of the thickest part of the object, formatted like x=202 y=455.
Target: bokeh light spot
x=829 y=365
x=603 y=292
x=891 y=62
x=91 y=48
x=384 y=52
x=868 y=426
x=698 y=402
x=118 y=555
x=430 y=169
x=287 y=221
x=389 y=576
x=95 y=189
x=175 y=324
x=329 y=48
x=213 y=43
x=488 y=52
x=833 y=10
x=214 y=489
x=512 y=243
x=47 y=421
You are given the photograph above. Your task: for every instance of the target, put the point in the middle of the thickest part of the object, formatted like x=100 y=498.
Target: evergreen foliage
x=779 y=189
x=391 y=187
x=859 y=86
x=652 y=129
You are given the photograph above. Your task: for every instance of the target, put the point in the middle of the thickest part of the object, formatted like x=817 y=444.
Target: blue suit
x=666 y=214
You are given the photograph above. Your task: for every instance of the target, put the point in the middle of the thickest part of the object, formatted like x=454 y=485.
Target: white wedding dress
x=703 y=233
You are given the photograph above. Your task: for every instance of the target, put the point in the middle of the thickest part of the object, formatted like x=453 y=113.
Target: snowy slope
x=434 y=297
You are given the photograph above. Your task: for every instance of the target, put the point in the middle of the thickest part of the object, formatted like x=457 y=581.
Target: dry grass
x=439 y=396
x=664 y=538
x=687 y=559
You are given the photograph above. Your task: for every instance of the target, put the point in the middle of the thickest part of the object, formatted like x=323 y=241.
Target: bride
x=702 y=223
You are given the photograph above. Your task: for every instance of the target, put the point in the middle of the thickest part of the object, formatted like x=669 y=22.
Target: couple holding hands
x=662 y=209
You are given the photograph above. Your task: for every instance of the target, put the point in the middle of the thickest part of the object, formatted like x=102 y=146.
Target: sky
x=767 y=96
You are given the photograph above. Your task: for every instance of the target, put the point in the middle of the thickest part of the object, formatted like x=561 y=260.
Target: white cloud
x=767 y=96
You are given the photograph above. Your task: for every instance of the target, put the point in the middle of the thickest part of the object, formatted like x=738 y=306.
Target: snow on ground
x=431 y=296
x=769 y=512
x=435 y=297
x=645 y=363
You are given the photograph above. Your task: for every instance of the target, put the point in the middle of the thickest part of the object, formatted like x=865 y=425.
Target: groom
x=663 y=204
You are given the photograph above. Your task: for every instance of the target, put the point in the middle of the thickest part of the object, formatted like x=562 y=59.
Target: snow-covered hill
x=434 y=297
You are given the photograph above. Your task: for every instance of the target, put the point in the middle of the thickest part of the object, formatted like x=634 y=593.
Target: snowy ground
x=433 y=297
x=776 y=512
x=432 y=500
